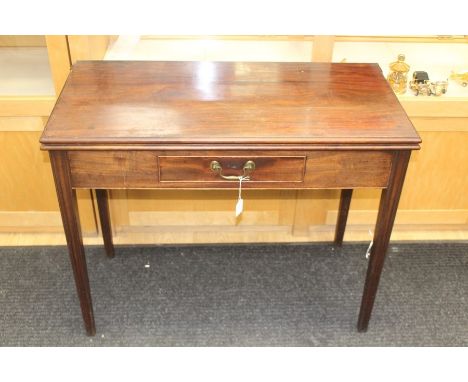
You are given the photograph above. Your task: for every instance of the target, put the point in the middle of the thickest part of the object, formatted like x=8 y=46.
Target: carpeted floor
x=236 y=295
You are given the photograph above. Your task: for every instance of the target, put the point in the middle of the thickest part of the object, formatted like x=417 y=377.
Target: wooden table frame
x=104 y=164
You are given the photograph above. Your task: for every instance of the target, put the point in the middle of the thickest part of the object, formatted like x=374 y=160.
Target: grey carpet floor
x=236 y=295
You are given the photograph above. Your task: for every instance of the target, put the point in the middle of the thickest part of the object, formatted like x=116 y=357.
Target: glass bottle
x=398 y=75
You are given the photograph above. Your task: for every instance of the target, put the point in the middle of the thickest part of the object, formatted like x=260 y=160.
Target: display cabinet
x=32 y=72
x=432 y=200
x=26 y=98
x=436 y=192
x=434 y=197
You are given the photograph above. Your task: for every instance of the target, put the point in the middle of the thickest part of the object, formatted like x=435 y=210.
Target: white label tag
x=240 y=201
x=239 y=207
x=370 y=245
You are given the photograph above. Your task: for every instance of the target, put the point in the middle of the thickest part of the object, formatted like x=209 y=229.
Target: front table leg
x=383 y=229
x=71 y=224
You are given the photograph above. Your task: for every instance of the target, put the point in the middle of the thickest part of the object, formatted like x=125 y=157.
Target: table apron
x=191 y=169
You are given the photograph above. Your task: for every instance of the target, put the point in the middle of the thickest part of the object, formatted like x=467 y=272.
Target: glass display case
x=33 y=70
x=210 y=48
x=24 y=67
x=438 y=59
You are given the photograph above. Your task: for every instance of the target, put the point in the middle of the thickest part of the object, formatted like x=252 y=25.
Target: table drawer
x=114 y=169
x=197 y=169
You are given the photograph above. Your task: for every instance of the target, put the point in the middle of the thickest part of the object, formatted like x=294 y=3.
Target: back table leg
x=345 y=201
x=104 y=217
x=71 y=224
x=383 y=229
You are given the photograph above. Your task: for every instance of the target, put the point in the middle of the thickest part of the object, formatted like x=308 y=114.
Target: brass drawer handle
x=248 y=167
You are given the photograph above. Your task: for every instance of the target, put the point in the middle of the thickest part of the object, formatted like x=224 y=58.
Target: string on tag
x=370 y=245
x=241 y=178
x=240 y=201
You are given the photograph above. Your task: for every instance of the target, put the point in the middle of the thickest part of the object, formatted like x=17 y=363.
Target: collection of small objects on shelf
x=420 y=83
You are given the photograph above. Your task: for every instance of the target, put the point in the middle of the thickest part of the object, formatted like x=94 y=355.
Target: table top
x=147 y=102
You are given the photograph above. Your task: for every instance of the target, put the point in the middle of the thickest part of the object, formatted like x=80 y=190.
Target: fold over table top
x=112 y=103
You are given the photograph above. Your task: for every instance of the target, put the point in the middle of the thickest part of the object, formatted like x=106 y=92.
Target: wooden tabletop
x=146 y=102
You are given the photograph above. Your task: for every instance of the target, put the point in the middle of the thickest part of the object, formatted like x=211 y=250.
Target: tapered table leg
x=383 y=229
x=71 y=224
x=345 y=201
x=104 y=217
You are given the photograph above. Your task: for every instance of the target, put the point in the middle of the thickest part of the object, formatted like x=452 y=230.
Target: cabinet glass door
x=211 y=48
x=24 y=67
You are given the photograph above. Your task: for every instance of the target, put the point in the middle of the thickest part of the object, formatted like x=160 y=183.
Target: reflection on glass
x=24 y=67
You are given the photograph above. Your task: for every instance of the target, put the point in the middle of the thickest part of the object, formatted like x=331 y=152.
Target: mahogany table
x=200 y=125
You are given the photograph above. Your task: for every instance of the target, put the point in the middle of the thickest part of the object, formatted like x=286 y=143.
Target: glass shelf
x=207 y=49
x=24 y=70
x=437 y=59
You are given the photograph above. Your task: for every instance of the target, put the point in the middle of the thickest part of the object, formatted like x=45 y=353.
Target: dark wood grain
x=383 y=229
x=104 y=218
x=113 y=169
x=343 y=209
x=115 y=102
x=275 y=168
x=71 y=224
x=348 y=169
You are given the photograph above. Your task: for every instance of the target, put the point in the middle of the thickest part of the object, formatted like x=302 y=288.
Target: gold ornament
x=398 y=75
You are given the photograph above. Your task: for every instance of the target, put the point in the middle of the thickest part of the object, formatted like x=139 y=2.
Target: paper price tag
x=239 y=207
x=370 y=245
x=240 y=201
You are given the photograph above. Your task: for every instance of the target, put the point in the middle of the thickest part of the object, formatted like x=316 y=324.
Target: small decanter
x=398 y=75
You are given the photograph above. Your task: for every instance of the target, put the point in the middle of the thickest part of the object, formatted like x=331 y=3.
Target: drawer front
x=292 y=169
x=113 y=169
x=197 y=169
